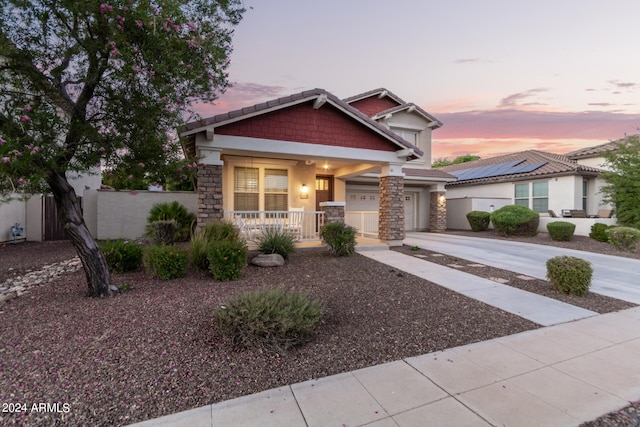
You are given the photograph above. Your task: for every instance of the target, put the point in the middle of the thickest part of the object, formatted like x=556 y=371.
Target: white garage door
x=369 y=201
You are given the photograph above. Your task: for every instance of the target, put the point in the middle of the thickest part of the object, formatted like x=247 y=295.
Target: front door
x=324 y=189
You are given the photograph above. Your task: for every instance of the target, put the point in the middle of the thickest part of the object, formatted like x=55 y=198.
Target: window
x=275 y=190
x=522 y=195
x=260 y=189
x=585 y=192
x=246 y=189
x=540 y=196
x=408 y=135
x=539 y=191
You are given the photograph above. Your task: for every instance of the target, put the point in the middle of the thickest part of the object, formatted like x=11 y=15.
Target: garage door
x=369 y=201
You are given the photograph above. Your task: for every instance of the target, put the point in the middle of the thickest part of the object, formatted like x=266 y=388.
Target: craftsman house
x=311 y=157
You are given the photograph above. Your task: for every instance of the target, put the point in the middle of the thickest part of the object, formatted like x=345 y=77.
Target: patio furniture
x=578 y=213
x=552 y=214
x=566 y=213
x=605 y=213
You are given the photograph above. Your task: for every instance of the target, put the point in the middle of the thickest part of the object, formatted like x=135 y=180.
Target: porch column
x=209 y=189
x=333 y=211
x=391 y=211
x=438 y=209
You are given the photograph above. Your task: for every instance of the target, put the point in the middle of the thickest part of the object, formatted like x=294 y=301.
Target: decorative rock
x=17 y=286
x=268 y=260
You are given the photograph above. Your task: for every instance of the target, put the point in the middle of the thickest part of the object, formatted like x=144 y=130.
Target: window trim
x=261 y=165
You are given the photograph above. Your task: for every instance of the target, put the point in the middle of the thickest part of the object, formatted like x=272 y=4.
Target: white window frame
x=531 y=195
x=261 y=165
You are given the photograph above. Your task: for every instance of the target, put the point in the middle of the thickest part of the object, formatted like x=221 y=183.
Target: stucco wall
x=123 y=214
x=10 y=213
x=457 y=209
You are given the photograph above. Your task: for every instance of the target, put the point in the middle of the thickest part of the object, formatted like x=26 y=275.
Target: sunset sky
x=502 y=75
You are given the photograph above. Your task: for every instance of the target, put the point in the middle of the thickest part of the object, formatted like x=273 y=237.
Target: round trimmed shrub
x=274 y=320
x=624 y=238
x=561 y=231
x=166 y=262
x=122 y=255
x=227 y=258
x=210 y=232
x=479 y=220
x=599 y=231
x=515 y=220
x=569 y=274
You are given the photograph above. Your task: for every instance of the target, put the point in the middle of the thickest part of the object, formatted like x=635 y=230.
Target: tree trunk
x=70 y=214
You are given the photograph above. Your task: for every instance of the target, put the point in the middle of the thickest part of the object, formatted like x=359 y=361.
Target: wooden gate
x=52 y=227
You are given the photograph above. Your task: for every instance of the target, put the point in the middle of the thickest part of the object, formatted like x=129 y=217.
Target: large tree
x=623 y=180
x=86 y=84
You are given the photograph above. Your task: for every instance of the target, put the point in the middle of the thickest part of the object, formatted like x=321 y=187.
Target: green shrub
x=227 y=258
x=201 y=239
x=122 y=255
x=479 y=220
x=561 y=230
x=274 y=320
x=624 y=238
x=570 y=274
x=163 y=232
x=599 y=231
x=166 y=262
x=340 y=238
x=175 y=211
x=515 y=220
x=274 y=241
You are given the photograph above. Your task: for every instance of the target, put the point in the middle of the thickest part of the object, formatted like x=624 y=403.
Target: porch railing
x=366 y=222
x=303 y=225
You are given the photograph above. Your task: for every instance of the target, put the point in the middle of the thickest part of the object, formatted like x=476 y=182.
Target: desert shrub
x=274 y=320
x=561 y=230
x=479 y=220
x=599 y=231
x=172 y=211
x=569 y=274
x=274 y=241
x=340 y=238
x=624 y=238
x=515 y=220
x=166 y=262
x=227 y=258
x=163 y=232
x=201 y=239
x=122 y=255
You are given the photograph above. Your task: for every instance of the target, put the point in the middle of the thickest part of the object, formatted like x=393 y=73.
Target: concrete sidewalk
x=560 y=375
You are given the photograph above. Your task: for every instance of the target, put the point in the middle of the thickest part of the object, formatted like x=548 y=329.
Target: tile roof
x=308 y=95
x=374 y=92
x=554 y=165
x=428 y=173
x=595 y=151
x=407 y=106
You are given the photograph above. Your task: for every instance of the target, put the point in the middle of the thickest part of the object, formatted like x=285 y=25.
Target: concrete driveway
x=613 y=276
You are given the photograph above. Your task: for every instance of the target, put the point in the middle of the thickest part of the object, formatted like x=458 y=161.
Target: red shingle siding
x=301 y=123
x=373 y=105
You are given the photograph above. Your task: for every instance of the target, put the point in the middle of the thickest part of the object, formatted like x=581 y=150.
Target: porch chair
x=552 y=214
x=605 y=213
x=294 y=222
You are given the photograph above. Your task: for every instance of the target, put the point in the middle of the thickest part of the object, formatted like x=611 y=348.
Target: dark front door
x=324 y=189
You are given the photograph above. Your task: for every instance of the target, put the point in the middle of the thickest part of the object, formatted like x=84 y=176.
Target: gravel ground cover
x=153 y=350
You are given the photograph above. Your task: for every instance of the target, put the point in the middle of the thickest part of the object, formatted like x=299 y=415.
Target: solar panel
x=497 y=169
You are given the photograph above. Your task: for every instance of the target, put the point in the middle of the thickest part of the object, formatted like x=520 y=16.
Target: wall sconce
x=441 y=198
x=304 y=191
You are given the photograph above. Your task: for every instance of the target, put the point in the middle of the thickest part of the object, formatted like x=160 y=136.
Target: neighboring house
x=365 y=159
x=545 y=182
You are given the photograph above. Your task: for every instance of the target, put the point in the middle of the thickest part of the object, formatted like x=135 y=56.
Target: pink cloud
x=241 y=95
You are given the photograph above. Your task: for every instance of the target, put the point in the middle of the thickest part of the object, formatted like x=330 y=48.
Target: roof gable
x=595 y=151
x=314 y=99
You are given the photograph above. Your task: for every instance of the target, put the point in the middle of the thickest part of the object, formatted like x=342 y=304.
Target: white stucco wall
x=123 y=214
x=10 y=213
